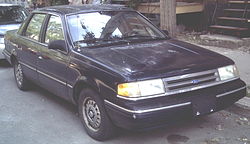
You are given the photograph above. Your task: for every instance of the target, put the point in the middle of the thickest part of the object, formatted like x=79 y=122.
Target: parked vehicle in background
x=23 y=3
x=118 y=68
x=11 y=17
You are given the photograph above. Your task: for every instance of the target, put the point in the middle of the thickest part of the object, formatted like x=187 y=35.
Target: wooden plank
x=168 y=16
x=154 y=8
x=232 y=18
x=235 y=10
x=239 y=2
x=189 y=8
x=228 y=28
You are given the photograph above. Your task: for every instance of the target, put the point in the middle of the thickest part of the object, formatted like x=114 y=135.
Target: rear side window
x=34 y=26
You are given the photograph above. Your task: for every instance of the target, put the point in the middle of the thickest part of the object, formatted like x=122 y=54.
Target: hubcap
x=19 y=74
x=91 y=114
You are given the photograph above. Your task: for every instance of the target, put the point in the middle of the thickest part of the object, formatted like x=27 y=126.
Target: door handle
x=19 y=47
x=43 y=57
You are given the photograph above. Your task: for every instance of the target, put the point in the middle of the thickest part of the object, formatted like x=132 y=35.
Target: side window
x=54 y=29
x=34 y=26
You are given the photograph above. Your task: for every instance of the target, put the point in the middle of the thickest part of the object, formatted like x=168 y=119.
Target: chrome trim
x=190 y=82
x=6 y=53
x=230 y=92
x=147 y=110
x=178 y=91
x=53 y=78
x=70 y=86
x=29 y=39
x=190 y=75
x=30 y=67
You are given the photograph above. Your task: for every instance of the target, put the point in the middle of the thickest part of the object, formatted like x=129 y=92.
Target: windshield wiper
x=142 y=37
x=92 y=43
x=89 y=41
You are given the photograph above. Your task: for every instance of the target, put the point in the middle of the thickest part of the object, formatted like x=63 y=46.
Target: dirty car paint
x=155 y=58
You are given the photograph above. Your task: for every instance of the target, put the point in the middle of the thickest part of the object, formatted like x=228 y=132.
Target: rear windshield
x=12 y=14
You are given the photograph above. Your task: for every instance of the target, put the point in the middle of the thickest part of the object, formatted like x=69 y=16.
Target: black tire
x=21 y=81
x=94 y=117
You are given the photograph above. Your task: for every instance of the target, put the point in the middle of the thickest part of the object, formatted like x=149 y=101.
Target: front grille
x=189 y=81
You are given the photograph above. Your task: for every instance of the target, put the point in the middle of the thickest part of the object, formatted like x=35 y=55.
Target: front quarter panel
x=87 y=73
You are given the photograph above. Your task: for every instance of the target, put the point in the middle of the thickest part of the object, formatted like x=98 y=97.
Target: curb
x=244 y=102
x=224 y=41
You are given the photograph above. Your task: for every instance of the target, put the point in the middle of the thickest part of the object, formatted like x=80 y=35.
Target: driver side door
x=53 y=63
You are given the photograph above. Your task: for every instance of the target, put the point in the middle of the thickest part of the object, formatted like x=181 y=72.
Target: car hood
x=157 y=59
x=5 y=28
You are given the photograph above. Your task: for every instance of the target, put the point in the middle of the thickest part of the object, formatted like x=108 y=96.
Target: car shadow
x=123 y=134
x=4 y=64
x=55 y=99
x=171 y=133
x=166 y=130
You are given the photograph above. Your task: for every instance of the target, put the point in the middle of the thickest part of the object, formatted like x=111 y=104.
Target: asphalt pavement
x=38 y=117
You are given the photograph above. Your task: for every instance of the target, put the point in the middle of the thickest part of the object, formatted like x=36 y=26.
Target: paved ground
x=38 y=117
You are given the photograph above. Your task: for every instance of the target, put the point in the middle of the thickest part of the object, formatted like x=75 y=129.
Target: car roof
x=69 y=9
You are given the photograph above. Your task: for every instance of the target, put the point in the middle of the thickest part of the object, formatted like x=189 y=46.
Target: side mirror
x=57 y=45
x=165 y=31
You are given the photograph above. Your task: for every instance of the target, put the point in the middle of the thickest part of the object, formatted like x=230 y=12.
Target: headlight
x=141 y=88
x=228 y=72
x=1 y=40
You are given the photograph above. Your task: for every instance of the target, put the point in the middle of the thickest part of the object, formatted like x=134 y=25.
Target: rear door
x=52 y=64
x=28 y=45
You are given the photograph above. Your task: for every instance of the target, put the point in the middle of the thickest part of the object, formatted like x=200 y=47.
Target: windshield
x=12 y=14
x=97 y=28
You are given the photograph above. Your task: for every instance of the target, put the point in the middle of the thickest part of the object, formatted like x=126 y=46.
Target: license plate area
x=203 y=105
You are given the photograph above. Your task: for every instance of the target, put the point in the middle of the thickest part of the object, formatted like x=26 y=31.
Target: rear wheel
x=93 y=116
x=21 y=81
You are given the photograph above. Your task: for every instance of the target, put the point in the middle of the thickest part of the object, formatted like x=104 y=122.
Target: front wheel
x=21 y=81
x=93 y=116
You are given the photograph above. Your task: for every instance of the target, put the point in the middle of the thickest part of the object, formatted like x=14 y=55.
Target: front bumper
x=165 y=110
x=2 y=46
